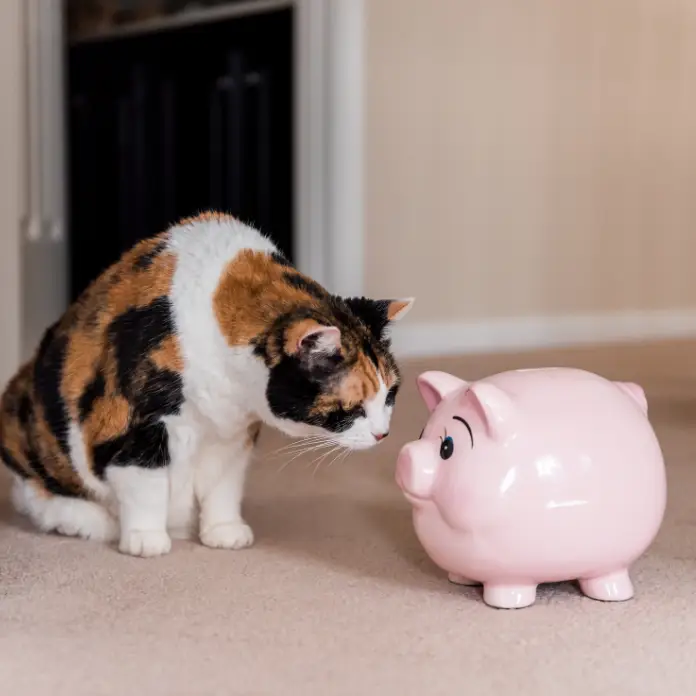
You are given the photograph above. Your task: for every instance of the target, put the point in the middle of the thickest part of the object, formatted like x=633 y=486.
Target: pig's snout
x=415 y=469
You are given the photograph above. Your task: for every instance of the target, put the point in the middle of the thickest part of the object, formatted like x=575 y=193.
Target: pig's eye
x=447 y=448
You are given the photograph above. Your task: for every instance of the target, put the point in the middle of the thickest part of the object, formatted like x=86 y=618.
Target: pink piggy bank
x=535 y=476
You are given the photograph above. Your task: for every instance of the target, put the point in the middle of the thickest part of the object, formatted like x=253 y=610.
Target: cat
x=135 y=419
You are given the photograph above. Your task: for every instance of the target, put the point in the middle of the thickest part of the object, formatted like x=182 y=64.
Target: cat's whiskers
x=323 y=457
x=307 y=450
x=306 y=447
x=300 y=444
x=340 y=457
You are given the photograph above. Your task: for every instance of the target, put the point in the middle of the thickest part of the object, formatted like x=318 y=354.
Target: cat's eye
x=447 y=448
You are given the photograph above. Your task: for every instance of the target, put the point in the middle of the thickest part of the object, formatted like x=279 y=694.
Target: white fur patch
x=222 y=383
x=364 y=433
x=219 y=482
x=68 y=516
x=184 y=435
x=143 y=498
x=80 y=462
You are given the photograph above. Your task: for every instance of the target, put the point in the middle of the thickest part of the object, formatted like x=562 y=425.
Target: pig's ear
x=635 y=391
x=496 y=408
x=434 y=386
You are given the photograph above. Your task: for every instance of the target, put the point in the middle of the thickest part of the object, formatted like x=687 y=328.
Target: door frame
x=329 y=217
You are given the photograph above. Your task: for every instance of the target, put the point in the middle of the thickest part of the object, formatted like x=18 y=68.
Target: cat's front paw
x=228 y=535
x=145 y=543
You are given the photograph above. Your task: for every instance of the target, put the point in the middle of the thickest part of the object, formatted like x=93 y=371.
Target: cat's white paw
x=229 y=535
x=97 y=525
x=145 y=543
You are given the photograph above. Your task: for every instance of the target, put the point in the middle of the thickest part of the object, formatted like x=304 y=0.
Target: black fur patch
x=144 y=261
x=93 y=391
x=11 y=463
x=280 y=259
x=47 y=377
x=25 y=411
x=136 y=333
x=145 y=445
x=391 y=395
x=306 y=285
x=370 y=352
x=160 y=395
x=340 y=420
x=372 y=313
x=292 y=392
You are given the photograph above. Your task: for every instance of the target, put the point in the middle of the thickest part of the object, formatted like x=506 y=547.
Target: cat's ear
x=398 y=309
x=311 y=342
x=378 y=314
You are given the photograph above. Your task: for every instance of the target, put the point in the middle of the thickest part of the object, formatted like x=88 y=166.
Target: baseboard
x=525 y=333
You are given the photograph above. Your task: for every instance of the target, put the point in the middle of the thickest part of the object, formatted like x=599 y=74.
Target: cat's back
x=205 y=247
x=141 y=292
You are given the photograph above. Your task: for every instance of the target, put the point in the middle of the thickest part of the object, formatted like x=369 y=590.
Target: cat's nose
x=381 y=436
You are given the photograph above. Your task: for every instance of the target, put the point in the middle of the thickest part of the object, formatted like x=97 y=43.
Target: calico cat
x=136 y=417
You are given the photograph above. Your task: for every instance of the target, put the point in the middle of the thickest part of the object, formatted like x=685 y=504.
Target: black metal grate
x=164 y=125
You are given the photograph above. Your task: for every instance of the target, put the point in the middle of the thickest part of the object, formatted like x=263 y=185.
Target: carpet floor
x=337 y=596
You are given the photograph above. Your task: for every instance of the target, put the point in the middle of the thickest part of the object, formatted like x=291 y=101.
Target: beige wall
x=531 y=158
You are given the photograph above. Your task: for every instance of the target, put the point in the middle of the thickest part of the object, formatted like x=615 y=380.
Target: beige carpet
x=337 y=597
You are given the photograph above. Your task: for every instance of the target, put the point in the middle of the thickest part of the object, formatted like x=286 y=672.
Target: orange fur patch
x=168 y=355
x=252 y=291
x=108 y=419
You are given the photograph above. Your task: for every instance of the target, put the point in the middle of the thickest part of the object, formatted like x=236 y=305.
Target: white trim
x=310 y=140
x=345 y=148
x=524 y=333
x=329 y=149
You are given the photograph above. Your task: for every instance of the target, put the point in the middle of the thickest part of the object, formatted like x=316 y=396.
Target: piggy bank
x=535 y=476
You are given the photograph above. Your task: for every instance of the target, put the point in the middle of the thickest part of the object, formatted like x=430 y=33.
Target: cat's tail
x=58 y=513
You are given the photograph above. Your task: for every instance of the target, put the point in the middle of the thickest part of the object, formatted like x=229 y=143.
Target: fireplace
x=166 y=118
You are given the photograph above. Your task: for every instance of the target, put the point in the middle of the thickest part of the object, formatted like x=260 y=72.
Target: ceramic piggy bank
x=534 y=476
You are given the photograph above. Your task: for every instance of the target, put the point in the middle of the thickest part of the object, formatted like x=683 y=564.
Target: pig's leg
x=509 y=596
x=461 y=580
x=614 y=587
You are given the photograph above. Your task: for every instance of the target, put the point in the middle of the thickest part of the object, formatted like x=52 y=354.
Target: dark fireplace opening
x=166 y=123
